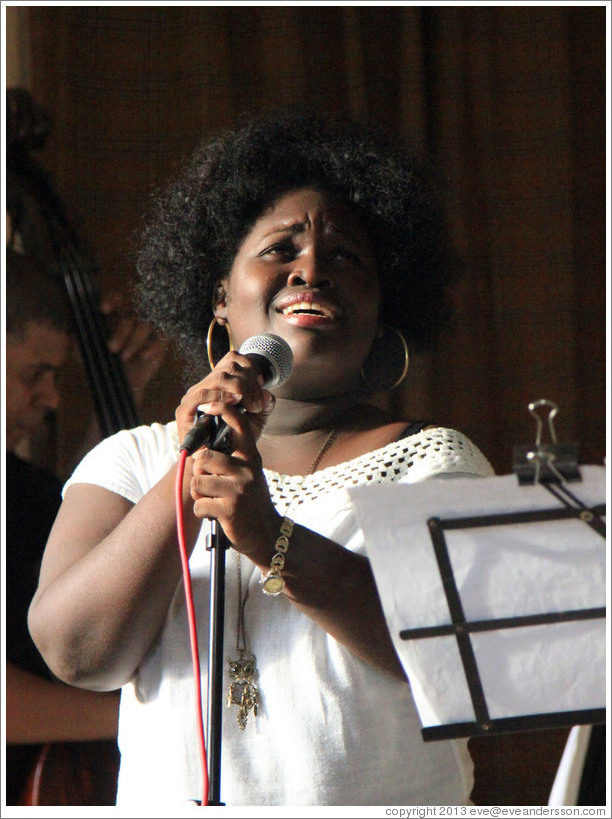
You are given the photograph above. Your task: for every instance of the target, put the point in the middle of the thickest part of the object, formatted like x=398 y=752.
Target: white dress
x=331 y=730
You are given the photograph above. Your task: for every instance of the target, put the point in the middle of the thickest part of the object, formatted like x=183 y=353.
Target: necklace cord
x=241 y=639
x=333 y=434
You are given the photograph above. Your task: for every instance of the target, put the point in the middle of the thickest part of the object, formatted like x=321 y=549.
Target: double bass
x=67 y=773
x=28 y=127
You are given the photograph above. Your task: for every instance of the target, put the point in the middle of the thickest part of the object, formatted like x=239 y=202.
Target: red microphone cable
x=193 y=636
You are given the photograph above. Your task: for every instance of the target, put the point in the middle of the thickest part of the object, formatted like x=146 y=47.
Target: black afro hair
x=200 y=220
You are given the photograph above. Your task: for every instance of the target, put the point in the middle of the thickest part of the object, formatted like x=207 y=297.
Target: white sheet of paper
x=500 y=571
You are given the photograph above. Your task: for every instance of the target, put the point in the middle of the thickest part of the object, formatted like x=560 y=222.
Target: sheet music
x=500 y=571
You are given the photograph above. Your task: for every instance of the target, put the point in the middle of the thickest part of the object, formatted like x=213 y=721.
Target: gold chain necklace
x=243 y=690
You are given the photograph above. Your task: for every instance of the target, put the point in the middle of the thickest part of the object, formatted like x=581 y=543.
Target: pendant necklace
x=243 y=690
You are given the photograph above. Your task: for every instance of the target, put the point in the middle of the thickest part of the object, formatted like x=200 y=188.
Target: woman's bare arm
x=108 y=575
x=111 y=568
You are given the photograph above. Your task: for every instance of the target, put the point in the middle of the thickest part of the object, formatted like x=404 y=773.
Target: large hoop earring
x=388 y=356
x=209 y=339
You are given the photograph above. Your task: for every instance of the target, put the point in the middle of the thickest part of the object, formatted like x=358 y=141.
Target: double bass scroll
x=28 y=126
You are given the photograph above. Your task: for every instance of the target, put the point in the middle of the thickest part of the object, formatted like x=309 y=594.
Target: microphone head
x=275 y=355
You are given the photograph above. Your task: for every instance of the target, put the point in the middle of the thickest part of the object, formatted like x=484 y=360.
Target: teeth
x=309 y=306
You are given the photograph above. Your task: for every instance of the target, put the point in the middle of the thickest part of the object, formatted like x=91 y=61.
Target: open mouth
x=308 y=308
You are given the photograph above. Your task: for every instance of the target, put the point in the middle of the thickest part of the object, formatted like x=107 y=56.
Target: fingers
x=232 y=470
x=111 y=303
x=131 y=338
x=236 y=376
x=258 y=406
x=136 y=343
x=118 y=319
x=209 y=465
x=234 y=381
x=217 y=482
x=245 y=427
x=232 y=490
x=200 y=399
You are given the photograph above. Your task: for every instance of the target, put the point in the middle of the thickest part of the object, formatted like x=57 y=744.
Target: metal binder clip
x=546 y=463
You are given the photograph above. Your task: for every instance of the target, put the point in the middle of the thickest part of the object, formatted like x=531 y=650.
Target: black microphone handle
x=274 y=360
x=209 y=431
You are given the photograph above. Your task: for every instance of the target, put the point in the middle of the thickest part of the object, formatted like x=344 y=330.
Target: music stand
x=494 y=593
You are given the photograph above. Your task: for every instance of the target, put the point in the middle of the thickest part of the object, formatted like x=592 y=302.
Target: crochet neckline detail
x=444 y=445
x=370 y=455
x=416 y=457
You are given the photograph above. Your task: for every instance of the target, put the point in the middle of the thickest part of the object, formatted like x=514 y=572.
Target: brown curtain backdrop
x=508 y=100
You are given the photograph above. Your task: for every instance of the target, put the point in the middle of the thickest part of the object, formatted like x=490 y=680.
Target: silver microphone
x=274 y=360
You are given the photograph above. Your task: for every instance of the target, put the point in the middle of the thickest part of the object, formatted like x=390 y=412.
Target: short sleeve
x=129 y=462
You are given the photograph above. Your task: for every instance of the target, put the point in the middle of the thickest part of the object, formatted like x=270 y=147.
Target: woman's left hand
x=233 y=490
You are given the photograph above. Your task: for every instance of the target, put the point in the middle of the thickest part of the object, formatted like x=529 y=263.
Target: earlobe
x=220 y=300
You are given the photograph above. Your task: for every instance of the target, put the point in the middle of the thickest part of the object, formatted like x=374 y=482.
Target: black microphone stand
x=274 y=358
x=210 y=430
x=218 y=545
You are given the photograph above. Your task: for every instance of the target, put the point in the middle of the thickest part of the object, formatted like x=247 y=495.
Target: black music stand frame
x=461 y=628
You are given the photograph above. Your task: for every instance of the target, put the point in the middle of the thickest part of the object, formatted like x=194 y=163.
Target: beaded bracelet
x=272 y=582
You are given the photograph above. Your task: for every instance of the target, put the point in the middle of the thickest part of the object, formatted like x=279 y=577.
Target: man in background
x=39 y=708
